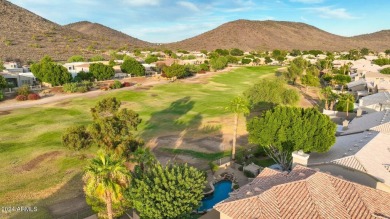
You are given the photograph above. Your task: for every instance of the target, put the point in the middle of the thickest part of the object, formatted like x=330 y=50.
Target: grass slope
x=29 y=133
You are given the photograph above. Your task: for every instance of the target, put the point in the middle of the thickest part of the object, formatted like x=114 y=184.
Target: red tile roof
x=318 y=195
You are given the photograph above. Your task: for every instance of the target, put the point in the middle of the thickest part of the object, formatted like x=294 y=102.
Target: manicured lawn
x=165 y=109
x=196 y=154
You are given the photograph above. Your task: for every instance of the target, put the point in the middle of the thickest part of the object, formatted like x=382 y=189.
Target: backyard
x=185 y=120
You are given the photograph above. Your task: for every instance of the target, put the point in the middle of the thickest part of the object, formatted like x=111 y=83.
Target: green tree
x=364 y=51
x=341 y=80
x=97 y=58
x=346 y=103
x=282 y=130
x=218 y=63
x=295 y=52
x=101 y=71
x=327 y=92
x=310 y=80
x=385 y=71
x=387 y=51
x=293 y=72
x=144 y=158
x=176 y=70
x=269 y=92
x=173 y=191
x=106 y=179
x=237 y=106
x=222 y=52
x=236 y=52
x=76 y=138
x=1 y=66
x=382 y=61
x=151 y=59
x=3 y=83
x=48 y=71
x=76 y=58
x=83 y=76
x=267 y=60
x=112 y=127
x=245 y=61
x=132 y=66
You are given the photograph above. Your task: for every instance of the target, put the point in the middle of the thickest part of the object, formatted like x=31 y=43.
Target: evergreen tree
x=282 y=130
x=173 y=191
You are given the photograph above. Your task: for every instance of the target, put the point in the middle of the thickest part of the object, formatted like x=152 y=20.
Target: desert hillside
x=27 y=36
x=268 y=35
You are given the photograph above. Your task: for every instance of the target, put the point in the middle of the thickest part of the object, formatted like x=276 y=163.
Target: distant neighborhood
x=343 y=159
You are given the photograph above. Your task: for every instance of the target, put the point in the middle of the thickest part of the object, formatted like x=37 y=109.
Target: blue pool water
x=221 y=192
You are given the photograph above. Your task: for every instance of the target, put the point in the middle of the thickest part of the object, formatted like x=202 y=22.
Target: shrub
x=70 y=87
x=33 y=96
x=385 y=71
x=249 y=174
x=82 y=89
x=236 y=186
x=213 y=167
x=116 y=85
x=126 y=84
x=240 y=168
x=21 y=98
x=24 y=90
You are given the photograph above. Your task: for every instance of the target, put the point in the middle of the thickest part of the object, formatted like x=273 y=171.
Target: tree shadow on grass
x=73 y=206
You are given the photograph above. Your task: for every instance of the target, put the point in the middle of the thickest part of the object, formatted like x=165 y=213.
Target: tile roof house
x=375 y=102
x=303 y=193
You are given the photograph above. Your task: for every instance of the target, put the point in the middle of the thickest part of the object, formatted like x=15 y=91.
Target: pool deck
x=241 y=179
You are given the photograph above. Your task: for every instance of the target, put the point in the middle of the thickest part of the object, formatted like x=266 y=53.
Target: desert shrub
x=83 y=76
x=116 y=85
x=240 y=168
x=249 y=174
x=70 y=87
x=33 y=96
x=385 y=71
x=213 y=167
x=21 y=98
x=82 y=89
x=1 y=95
x=246 y=61
x=24 y=90
x=236 y=186
x=126 y=84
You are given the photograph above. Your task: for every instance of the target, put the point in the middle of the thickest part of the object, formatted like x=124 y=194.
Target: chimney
x=300 y=157
x=345 y=124
x=359 y=112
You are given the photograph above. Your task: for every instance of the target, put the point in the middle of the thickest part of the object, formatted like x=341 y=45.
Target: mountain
x=27 y=36
x=106 y=33
x=268 y=35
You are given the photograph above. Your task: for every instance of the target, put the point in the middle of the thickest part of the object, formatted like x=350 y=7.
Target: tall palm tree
x=347 y=99
x=237 y=106
x=106 y=178
x=327 y=92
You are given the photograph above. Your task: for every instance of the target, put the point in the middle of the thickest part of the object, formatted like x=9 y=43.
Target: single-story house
x=301 y=193
x=375 y=102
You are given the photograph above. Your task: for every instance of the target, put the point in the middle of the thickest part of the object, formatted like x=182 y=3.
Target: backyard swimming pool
x=221 y=192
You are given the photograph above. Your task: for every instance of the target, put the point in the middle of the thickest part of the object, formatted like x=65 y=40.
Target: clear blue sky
x=174 y=20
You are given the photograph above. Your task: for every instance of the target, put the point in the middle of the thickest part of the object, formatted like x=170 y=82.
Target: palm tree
x=143 y=157
x=347 y=99
x=237 y=105
x=327 y=92
x=106 y=178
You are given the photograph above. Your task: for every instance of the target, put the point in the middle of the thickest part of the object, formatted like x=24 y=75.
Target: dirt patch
x=4 y=113
x=36 y=161
x=144 y=87
x=69 y=208
x=64 y=103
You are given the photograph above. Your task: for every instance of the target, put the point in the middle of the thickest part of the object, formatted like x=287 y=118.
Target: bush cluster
x=33 y=96
x=21 y=98
x=116 y=85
